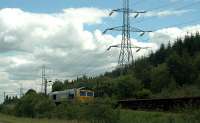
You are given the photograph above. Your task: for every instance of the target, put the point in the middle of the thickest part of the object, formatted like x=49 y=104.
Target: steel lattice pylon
x=126 y=55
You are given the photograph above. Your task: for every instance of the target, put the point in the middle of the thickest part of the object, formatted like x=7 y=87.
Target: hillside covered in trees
x=172 y=71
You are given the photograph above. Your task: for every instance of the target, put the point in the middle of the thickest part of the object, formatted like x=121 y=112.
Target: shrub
x=102 y=110
x=34 y=105
x=144 y=94
x=67 y=111
x=8 y=109
x=1 y=107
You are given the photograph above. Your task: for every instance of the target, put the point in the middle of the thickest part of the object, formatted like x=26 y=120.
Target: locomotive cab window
x=90 y=94
x=82 y=93
x=54 y=97
x=71 y=96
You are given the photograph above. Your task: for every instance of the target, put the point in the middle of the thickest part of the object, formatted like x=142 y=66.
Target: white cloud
x=59 y=40
x=172 y=33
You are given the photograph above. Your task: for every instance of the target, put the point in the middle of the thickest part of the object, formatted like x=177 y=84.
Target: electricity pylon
x=126 y=55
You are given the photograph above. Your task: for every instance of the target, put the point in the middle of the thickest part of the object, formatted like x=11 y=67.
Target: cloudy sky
x=66 y=36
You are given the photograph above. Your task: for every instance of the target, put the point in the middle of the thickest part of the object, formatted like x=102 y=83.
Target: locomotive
x=82 y=95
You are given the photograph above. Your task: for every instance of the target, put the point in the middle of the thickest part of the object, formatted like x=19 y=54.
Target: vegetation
x=158 y=117
x=12 y=119
x=126 y=116
x=36 y=105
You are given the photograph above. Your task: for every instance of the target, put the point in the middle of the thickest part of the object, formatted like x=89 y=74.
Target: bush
x=67 y=111
x=101 y=110
x=191 y=115
x=1 y=107
x=127 y=87
x=8 y=109
x=34 y=105
x=44 y=106
x=144 y=94
x=197 y=115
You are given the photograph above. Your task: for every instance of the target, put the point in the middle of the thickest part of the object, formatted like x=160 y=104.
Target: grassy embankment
x=157 y=117
x=12 y=119
x=127 y=116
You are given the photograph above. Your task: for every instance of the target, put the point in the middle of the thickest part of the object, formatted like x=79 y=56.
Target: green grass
x=127 y=116
x=12 y=119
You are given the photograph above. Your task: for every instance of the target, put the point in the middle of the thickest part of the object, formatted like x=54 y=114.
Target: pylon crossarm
x=137 y=12
x=119 y=46
x=134 y=29
x=115 y=10
x=127 y=10
x=118 y=28
x=140 y=47
x=134 y=47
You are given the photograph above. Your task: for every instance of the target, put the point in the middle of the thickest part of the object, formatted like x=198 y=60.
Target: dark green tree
x=161 y=78
x=181 y=68
x=127 y=87
x=34 y=105
x=58 y=86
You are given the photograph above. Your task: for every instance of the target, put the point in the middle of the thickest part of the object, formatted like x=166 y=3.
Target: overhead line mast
x=43 y=78
x=45 y=81
x=126 y=55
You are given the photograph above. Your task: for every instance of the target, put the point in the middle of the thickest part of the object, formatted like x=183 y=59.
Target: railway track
x=160 y=104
